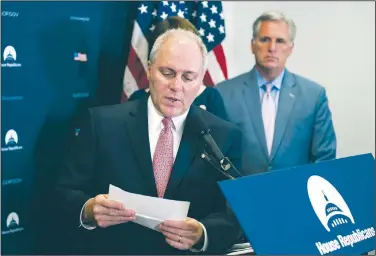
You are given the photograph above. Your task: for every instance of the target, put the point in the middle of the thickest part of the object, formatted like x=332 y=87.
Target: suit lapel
x=137 y=127
x=286 y=102
x=188 y=149
x=251 y=94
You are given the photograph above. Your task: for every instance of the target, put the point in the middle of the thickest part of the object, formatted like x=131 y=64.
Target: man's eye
x=263 y=39
x=281 y=41
x=167 y=73
x=188 y=78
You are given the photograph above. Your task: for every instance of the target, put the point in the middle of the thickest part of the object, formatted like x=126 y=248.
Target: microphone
x=222 y=163
x=213 y=147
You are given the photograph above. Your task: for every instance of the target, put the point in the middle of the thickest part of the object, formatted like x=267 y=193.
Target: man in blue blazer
x=285 y=118
x=152 y=147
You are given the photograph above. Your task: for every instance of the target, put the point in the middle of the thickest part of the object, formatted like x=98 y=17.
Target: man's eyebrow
x=268 y=37
x=190 y=72
x=184 y=71
x=169 y=69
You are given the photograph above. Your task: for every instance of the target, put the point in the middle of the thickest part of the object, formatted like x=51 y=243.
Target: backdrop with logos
x=58 y=59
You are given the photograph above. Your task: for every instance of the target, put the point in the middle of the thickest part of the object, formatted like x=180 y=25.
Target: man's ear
x=291 y=48
x=252 y=45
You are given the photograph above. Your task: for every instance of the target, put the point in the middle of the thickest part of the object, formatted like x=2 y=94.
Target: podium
x=321 y=208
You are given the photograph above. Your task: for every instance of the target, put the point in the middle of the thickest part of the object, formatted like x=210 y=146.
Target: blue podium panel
x=322 y=208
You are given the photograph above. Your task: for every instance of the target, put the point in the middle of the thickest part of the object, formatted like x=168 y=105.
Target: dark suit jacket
x=304 y=131
x=113 y=148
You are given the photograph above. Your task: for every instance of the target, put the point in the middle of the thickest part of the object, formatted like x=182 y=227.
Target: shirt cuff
x=89 y=227
x=205 y=246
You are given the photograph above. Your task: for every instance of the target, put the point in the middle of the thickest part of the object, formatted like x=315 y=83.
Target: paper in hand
x=150 y=211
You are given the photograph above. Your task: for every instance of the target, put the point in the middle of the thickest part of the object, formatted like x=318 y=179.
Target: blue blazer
x=304 y=131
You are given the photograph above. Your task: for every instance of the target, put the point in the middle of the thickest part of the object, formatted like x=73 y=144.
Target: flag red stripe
x=137 y=69
x=208 y=81
x=221 y=58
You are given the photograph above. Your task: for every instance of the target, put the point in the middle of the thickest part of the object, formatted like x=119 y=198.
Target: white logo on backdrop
x=11 y=137
x=10 y=53
x=13 y=220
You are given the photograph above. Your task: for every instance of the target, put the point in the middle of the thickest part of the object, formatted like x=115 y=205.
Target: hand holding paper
x=102 y=212
x=150 y=211
x=182 y=234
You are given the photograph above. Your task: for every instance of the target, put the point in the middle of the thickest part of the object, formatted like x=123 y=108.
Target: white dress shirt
x=155 y=127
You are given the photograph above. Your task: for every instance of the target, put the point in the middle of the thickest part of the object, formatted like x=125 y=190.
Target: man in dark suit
x=285 y=118
x=152 y=147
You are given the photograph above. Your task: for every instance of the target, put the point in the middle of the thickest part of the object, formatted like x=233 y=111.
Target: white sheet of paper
x=150 y=211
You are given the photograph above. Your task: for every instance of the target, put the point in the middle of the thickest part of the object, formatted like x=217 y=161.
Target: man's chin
x=268 y=67
x=170 y=112
x=271 y=66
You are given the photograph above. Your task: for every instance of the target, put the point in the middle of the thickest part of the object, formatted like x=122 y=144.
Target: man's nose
x=176 y=84
x=272 y=46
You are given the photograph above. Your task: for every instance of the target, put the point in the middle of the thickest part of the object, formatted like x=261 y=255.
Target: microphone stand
x=225 y=163
x=225 y=166
x=206 y=157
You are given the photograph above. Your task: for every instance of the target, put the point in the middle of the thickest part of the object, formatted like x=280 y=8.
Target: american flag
x=77 y=56
x=208 y=18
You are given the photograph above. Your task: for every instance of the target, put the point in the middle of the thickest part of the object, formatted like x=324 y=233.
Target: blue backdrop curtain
x=58 y=58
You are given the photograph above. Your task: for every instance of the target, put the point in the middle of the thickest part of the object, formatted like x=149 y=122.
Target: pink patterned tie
x=163 y=157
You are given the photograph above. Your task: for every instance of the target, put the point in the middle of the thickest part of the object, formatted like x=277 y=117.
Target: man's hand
x=103 y=212
x=182 y=235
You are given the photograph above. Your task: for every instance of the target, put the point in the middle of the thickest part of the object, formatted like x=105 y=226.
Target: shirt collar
x=277 y=82
x=155 y=118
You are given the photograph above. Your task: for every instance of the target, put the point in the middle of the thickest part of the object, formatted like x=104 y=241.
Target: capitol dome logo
x=328 y=204
x=10 y=57
x=13 y=224
x=13 y=221
x=9 y=53
x=11 y=141
x=11 y=137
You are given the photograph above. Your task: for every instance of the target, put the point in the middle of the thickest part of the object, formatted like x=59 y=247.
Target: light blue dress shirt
x=277 y=82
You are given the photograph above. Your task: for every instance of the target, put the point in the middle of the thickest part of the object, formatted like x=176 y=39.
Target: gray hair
x=178 y=31
x=274 y=16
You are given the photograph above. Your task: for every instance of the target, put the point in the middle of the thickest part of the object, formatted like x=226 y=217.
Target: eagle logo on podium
x=328 y=204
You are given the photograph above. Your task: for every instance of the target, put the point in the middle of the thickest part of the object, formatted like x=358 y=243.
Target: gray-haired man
x=285 y=118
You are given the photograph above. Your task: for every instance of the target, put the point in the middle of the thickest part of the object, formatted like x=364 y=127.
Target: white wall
x=335 y=46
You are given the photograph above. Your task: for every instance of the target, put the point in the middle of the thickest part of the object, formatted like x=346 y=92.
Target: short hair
x=274 y=16
x=171 y=32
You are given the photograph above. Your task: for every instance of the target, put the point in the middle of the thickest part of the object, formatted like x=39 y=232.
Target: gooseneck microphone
x=213 y=155
x=222 y=163
x=211 y=145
